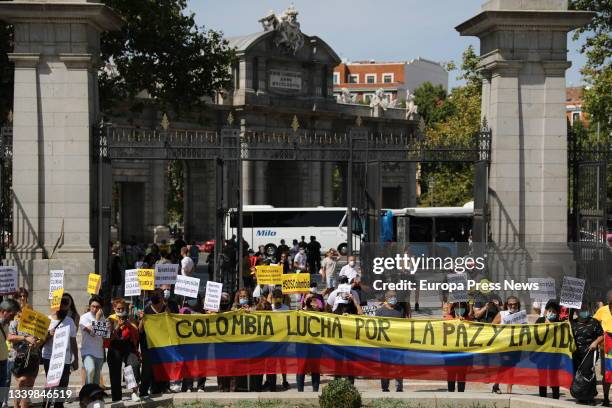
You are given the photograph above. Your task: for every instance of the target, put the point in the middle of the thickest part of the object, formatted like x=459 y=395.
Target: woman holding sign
x=92 y=343
x=551 y=315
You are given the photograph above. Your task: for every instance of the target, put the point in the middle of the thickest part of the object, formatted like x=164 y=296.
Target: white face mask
x=96 y=404
x=351 y=263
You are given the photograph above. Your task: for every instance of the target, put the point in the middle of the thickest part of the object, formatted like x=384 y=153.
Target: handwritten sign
x=187 y=286
x=56 y=281
x=93 y=283
x=56 y=299
x=58 y=356
x=130 y=380
x=165 y=274
x=370 y=310
x=132 y=287
x=34 y=323
x=296 y=283
x=460 y=294
x=146 y=279
x=519 y=317
x=546 y=289
x=571 y=292
x=212 y=299
x=269 y=274
x=101 y=328
x=8 y=280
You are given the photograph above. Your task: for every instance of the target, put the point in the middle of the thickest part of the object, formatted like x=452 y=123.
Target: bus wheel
x=270 y=249
x=343 y=249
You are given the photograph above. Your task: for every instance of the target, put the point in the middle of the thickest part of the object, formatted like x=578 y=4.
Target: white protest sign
x=165 y=274
x=132 y=287
x=369 y=310
x=571 y=292
x=101 y=328
x=8 y=280
x=459 y=293
x=519 y=317
x=212 y=299
x=344 y=288
x=58 y=356
x=56 y=281
x=187 y=286
x=130 y=380
x=546 y=289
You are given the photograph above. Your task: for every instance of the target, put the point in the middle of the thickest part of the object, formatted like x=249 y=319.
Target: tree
x=597 y=72
x=430 y=100
x=162 y=51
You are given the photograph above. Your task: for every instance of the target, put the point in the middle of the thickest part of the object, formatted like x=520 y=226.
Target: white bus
x=267 y=225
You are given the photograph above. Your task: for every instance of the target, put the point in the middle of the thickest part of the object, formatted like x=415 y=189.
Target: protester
x=313 y=255
x=61 y=319
x=551 y=315
x=91 y=396
x=456 y=375
x=116 y=271
x=147 y=383
x=349 y=270
x=341 y=296
x=8 y=310
x=328 y=267
x=192 y=306
x=311 y=303
x=588 y=335
x=390 y=308
x=302 y=244
x=194 y=252
x=92 y=346
x=295 y=248
x=122 y=349
x=72 y=312
x=285 y=263
x=300 y=261
x=604 y=316
x=281 y=249
x=187 y=264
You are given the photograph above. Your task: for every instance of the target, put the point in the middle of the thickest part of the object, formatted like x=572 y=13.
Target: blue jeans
x=92 y=366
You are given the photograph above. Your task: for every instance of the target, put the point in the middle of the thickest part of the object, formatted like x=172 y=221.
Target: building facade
x=363 y=78
x=573 y=105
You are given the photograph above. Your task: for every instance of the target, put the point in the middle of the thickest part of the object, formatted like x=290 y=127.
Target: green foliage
x=431 y=101
x=340 y=393
x=176 y=189
x=162 y=51
x=597 y=72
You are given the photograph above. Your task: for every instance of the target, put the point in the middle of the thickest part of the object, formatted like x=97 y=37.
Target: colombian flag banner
x=608 y=356
x=240 y=343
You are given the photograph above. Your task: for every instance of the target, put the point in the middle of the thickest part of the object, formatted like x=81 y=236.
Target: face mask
x=551 y=316
x=313 y=290
x=302 y=251
x=243 y=301
x=122 y=315
x=459 y=311
x=392 y=301
x=351 y=263
x=584 y=314
x=167 y=294
x=156 y=300
x=96 y=404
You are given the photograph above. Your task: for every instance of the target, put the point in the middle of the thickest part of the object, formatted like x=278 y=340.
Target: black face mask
x=156 y=300
x=61 y=314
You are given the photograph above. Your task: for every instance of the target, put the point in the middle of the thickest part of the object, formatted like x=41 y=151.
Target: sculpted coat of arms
x=288 y=34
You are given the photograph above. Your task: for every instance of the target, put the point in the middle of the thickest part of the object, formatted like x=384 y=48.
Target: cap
x=91 y=390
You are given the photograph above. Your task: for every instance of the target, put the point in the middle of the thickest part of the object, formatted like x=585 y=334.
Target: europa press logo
x=265 y=233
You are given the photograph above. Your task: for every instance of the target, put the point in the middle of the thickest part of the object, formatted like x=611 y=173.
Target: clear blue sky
x=385 y=30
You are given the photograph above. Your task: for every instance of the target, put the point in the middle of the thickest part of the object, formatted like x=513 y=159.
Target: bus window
x=452 y=229
x=420 y=229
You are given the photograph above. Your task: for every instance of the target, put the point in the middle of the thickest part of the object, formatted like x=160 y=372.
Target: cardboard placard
x=101 y=328
x=146 y=279
x=269 y=274
x=58 y=356
x=546 y=289
x=187 y=286
x=571 y=292
x=132 y=287
x=56 y=300
x=296 y=283
x=212 y=299
x=461 y=293
x=34 y=323
x=165 y=274
x=519 y=317
x=8 y=280
x=93 y=283
x=130 y=380
x=56 y=281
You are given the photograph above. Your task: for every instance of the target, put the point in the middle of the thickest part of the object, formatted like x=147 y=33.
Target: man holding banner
x=604 y=315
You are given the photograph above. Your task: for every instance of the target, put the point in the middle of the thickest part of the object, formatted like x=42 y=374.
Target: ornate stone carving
x=379 y=100
x=411 y=108
x=345 y=96
x=289 y=37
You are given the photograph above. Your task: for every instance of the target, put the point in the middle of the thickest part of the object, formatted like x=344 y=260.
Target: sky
x=383 y=30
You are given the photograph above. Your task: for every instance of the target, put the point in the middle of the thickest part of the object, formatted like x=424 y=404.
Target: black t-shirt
x=313 y=248
x=586 y=333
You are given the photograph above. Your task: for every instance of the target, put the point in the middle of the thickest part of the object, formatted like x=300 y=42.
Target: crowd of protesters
x=127 y=345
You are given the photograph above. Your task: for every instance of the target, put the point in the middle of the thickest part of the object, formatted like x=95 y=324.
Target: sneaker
x=175 y=388
x=135 y=397
x=286 y=385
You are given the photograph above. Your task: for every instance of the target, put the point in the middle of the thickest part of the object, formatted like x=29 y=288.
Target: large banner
x=240 y=343
x=608 y=357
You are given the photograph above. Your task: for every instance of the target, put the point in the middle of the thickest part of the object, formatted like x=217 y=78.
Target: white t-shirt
x=187 y=266
x=300 y=259
x=348 y=271
x=90 y=345
x=47 y=349
x=331 y=299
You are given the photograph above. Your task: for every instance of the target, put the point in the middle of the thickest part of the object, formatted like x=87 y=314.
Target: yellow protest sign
x=296 y=283
x=269 y=274
x=34 y=323
x=146 y=279
x=56 y=300
x=93 y=283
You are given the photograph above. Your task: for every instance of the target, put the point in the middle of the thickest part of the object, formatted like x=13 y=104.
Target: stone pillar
x=523 y=60
x=57 y=45
x=261 y=183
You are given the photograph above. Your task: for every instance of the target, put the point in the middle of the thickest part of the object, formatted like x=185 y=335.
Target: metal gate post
x=219 y=219
x=479 y=225
x=239 y=201
x=104 y=208
x=349 y=199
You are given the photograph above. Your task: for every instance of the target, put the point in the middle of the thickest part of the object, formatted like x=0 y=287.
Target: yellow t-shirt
x=605 y=317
